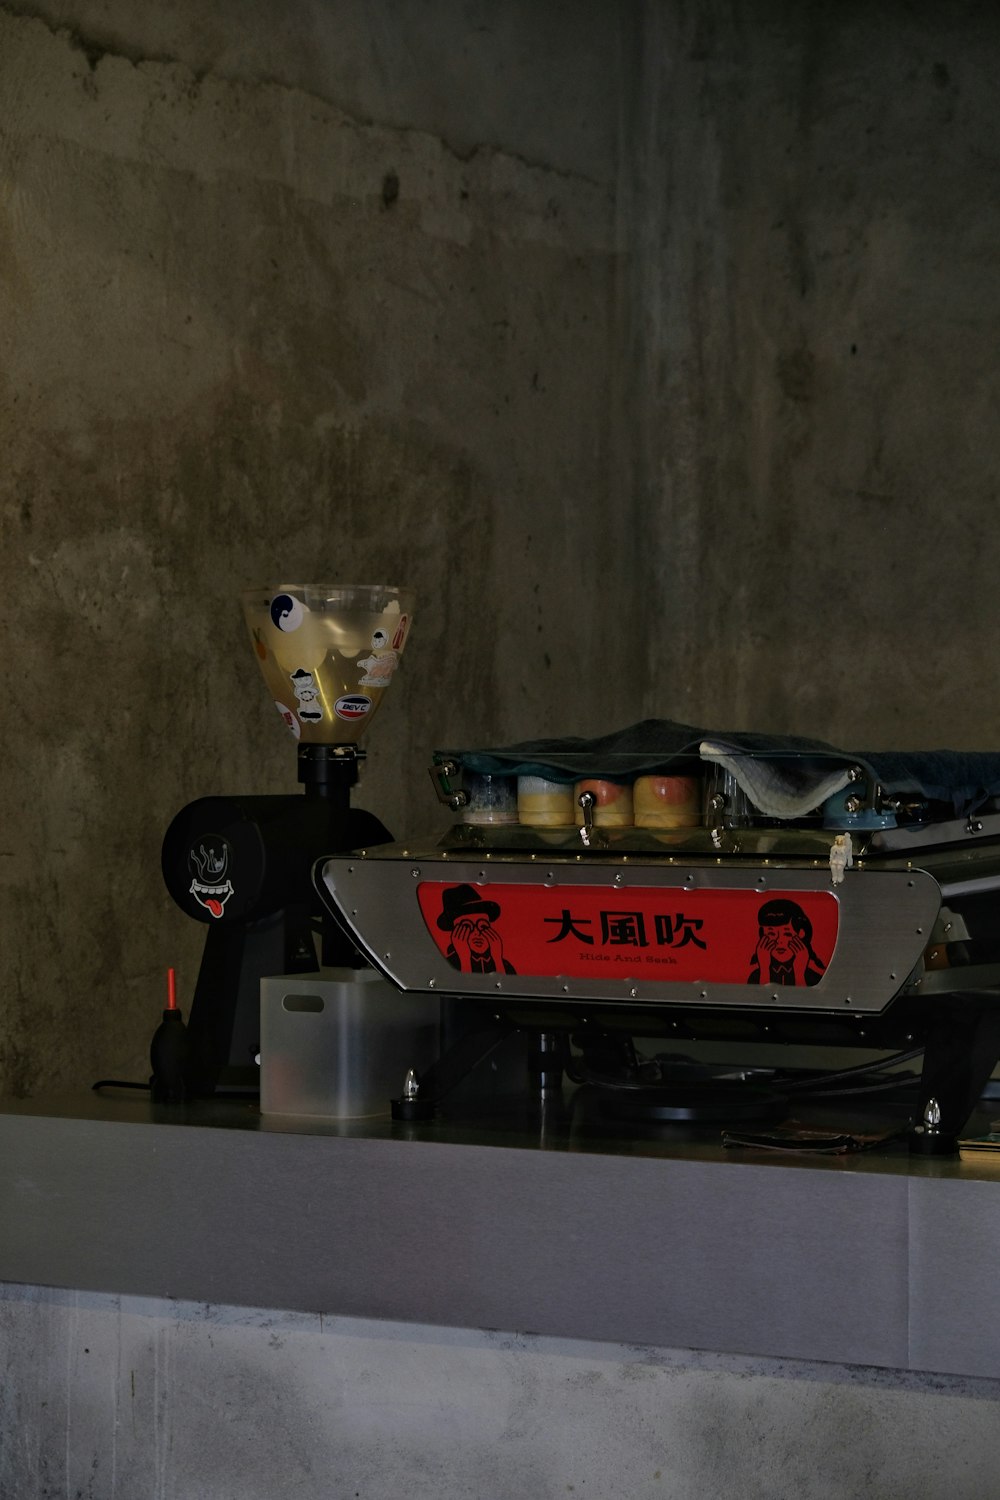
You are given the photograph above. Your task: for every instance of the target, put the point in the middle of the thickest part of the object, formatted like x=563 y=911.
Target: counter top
x=522 y=1224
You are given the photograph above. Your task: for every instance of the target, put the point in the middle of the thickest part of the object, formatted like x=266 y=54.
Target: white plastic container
x=338 y=1045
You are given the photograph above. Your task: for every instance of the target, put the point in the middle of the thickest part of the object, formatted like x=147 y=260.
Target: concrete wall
x=360 y=290
x=108 y=1399
x=315 y=290
x=817 y=319
x=658 y=358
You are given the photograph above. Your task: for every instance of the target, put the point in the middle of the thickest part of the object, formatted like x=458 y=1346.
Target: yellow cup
x=544 y=804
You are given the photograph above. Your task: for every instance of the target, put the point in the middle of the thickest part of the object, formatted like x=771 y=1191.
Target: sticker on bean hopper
x=307 y=696
x=287 y=612
x=289 y=718
x=352 y=706
x=591 y=932
x=378 y=668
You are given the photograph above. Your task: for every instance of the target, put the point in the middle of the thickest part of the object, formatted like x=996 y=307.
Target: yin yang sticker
x=287 y=612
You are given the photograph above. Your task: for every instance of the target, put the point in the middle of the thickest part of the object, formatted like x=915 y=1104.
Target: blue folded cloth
x=784 y=775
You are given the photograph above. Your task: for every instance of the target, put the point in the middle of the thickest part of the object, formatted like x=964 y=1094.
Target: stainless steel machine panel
x=881 y=921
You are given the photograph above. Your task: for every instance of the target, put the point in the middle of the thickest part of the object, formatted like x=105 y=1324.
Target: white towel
x=780 y=787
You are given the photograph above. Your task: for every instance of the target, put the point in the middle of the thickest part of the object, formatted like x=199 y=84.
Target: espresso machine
x=627 y=900
x=596 y=912
x=242 y=865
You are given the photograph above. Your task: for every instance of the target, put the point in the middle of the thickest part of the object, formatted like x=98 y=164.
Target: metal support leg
x=961 y=1050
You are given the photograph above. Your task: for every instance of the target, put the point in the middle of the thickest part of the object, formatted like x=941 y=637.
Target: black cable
x=816 y=1084
x=124 y=1083
x=859 y=1070
x=901 y=1081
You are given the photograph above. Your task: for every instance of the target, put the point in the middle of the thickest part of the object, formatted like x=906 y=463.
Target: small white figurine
x=841 y=857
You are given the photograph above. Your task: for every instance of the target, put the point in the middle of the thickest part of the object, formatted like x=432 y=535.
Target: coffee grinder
x=242 y=866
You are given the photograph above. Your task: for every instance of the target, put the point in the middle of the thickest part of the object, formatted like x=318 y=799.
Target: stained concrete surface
x=108 y=1399
x=815 y=188
x=659 y=361
x=257 y=328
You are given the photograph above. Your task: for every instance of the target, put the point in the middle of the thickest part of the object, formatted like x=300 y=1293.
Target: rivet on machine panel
x=414 y=873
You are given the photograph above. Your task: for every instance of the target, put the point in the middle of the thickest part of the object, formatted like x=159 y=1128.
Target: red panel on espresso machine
x=589 y=932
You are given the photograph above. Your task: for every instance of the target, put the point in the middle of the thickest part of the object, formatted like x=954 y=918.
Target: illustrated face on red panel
x=476 y=946
x=784 y=953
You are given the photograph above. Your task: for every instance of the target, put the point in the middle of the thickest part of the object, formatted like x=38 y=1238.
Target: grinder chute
x=242 y=865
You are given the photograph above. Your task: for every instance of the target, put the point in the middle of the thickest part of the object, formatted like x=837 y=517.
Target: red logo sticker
x=644 y=933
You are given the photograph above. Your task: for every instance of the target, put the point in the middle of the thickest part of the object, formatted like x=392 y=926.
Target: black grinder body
x=242 y=866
